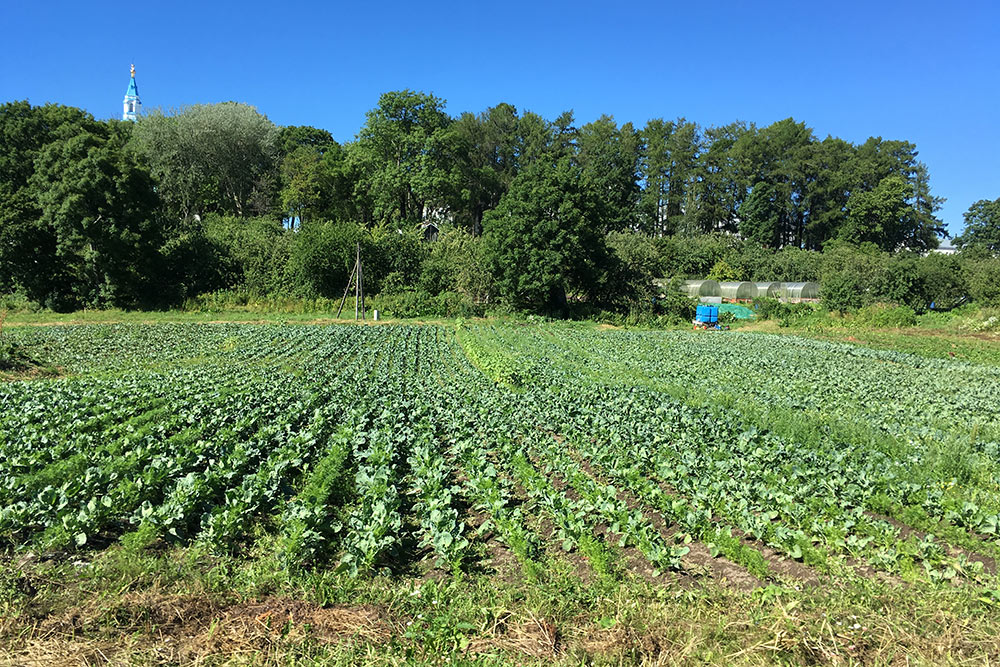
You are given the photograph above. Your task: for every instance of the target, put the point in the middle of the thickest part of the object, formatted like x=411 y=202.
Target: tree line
x=531 y=213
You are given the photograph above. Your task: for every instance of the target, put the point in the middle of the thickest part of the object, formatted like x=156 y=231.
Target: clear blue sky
x=927 y=72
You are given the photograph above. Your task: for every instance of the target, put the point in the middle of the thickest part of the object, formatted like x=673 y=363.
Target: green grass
x=978 y=349
x=964 y=334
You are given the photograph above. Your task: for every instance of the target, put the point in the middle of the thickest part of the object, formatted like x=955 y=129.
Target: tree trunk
x=557 y=301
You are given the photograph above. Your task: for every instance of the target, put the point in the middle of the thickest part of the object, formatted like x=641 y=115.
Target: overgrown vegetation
x=13 y=357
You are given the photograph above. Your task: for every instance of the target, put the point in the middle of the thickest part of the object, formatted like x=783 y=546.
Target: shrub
x=768 y=309
x=792 y=265
x=944 y=279
x=420 y=303
x=885 y=316
x=323 y=254
x=18 y=302
x=674 y=303
x=901 y=282
x=12 y=356
x=843 y=292
x=984 y=282
x=244 y=300
x=254 y=253
x=694 y=256
x=454 y=263
x=723 y=271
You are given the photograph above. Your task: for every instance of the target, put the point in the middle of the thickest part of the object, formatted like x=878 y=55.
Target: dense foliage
x=537 y=214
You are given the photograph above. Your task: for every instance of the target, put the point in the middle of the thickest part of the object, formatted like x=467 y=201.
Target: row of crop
x=117 y=410
x=170 y=473
x=909 y=483
x=159 y=480
x=796 y=500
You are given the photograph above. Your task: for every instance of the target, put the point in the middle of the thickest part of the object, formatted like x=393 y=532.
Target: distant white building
x=945 y=249
x=131 y=105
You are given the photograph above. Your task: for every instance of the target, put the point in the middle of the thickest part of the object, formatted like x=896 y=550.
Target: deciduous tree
x=982 y=226
x=543 y=240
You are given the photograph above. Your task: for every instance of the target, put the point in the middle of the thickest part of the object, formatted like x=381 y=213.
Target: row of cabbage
x=365 y=447
x=712 y=473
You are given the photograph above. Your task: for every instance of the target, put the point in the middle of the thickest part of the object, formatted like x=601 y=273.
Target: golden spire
x=133 y=71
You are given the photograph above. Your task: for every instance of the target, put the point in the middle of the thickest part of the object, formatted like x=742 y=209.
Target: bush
x=419 y=303
x=243 y=300
x=885 y=316
x=769 y=309
x=843 y=292
x=722 y=271
x=792 y=265
x=674 y=303
x=12 y=356
x=322 y=256
x=18 y=302
x=944 y=280
x=253 y=253
x=396 y=261
x=901 y=282
x=984 y=282
x=635 y=318
x=637 y=252
x=454 y=263
x=694 y=256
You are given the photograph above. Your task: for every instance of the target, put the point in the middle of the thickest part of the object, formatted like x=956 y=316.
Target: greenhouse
x=738 y=290
x=770 y=290
x=700 y=288
x=798 y=291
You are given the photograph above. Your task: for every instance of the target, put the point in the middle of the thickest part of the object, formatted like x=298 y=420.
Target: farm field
x=498 y=493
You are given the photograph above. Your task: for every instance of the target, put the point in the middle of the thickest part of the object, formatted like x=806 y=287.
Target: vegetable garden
x=747 y=459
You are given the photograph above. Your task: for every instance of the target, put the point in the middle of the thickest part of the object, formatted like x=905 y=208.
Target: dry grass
x=189 y=629
x=683 y=627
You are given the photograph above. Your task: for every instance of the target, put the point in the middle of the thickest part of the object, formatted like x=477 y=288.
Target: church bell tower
x=131 y=105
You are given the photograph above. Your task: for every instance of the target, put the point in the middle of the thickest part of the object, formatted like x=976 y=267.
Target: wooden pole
x=347 y=288
x=361 y=283
x=357 y=282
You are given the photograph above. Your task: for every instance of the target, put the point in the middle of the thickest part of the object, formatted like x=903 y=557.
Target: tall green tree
x=28 y=249
x=543 y=241
x=717 y=188
x=878 y=159
x=212 y=158
x=827 y=191
x=400 y=157
x=99 y=206
x=292 y=137
x=668 y=167
x=609 y=156
x=485 y=150
x=880 y=216
x=777 y=155
x=982 y=226
x=536 y=140
x=761 y=215
x=317 y=184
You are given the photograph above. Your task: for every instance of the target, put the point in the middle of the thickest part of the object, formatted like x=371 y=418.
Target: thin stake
x=361 y=282
x=347 y=288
